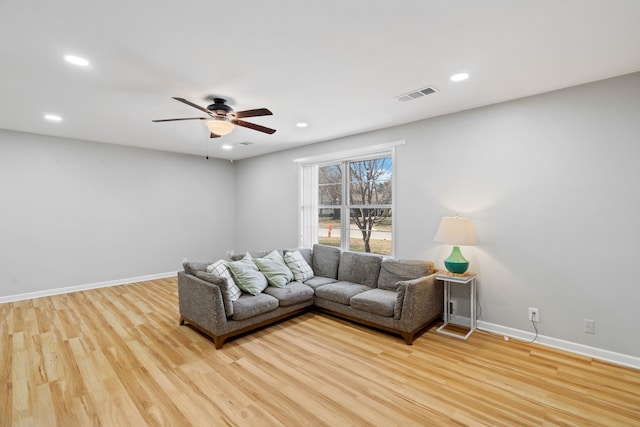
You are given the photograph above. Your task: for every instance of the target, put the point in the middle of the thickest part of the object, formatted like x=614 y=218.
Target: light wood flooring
x=117 y=357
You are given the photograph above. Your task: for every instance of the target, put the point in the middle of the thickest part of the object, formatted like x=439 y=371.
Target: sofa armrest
x=200 y=302
x=419 y=301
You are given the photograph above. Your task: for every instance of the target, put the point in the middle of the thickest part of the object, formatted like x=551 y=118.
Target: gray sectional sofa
x=399 y=296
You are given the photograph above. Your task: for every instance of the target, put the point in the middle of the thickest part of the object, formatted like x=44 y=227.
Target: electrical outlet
x=534 y=314
x=453 y=306
x=589 y=326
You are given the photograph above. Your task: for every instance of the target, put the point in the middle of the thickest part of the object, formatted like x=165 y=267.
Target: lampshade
x=220 y=126
x=454 y=230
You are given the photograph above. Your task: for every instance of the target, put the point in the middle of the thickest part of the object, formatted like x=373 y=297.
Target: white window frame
x=308 y=188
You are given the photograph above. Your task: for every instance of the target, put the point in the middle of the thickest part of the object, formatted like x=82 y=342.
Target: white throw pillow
x=221 y=268
x=298 y=266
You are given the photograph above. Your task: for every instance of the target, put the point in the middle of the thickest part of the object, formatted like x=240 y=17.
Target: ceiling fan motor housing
x=220 y=106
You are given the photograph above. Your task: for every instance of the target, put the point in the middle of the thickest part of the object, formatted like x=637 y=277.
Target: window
x=348 y=203
x=369 y=208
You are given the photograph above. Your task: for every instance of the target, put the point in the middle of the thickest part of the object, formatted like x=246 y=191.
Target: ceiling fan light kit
x=222 y=119
x=220 y=126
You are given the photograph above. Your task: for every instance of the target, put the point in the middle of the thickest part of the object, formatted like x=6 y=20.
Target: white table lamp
x=456 y=231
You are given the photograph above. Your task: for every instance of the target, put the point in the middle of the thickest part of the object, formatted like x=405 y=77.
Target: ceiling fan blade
x=213 y=135
x=192 y=105
x=253 y=113
x=253 y=126
x=187 y=118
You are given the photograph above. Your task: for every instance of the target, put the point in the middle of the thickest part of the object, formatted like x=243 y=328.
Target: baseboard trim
x=58 y=291
x=585 y=350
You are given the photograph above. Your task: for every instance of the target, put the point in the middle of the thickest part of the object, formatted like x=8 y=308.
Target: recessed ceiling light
x=227 y=147
x=459 y=77
x=76 y=60
x=302 y=124
x=53 y=117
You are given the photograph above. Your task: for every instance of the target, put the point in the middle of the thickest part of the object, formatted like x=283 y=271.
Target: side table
x=465 y=279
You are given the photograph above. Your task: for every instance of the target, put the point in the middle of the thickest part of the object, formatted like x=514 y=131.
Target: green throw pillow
x=247 y=276
x=274 y=269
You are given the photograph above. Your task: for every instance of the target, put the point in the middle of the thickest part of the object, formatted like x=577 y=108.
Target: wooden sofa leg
x=408 y=337
x=219 y=341
x=181 y=320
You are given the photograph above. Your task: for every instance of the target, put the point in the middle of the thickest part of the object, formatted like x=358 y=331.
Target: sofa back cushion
x=305 y=252
x=254 y=254
x=192 y=267
x=394 y=270
x=325 y=261
x=359 y=267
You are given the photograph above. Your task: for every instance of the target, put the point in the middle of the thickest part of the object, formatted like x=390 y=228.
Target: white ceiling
x=335 y=64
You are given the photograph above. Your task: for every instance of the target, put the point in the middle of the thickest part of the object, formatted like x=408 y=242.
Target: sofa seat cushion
x=248 y=306
x=358 y=267
x=290 y=294
x=393 y=271
x=375 y=301
x=341 y=291
x=317 y=281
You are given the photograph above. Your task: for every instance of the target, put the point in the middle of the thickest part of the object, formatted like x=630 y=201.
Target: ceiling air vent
x=245 y=143
x=417 y=94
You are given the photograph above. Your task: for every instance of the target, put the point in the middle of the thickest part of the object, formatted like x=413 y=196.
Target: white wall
x=267 y=203
x=551 y=183
x=77 y=212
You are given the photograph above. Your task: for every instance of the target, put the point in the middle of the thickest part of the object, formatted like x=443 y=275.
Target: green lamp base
x=456 y=263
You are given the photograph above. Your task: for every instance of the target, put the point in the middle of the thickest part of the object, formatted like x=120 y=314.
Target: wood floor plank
x=118 y=357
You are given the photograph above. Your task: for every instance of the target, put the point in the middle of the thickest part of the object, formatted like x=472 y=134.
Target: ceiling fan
x=222 y=118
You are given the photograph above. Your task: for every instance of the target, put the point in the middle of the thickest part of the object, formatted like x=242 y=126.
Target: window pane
x=330 y=194
x=331 y=174
x=330 y=185
x=329 y=226
x=370 y=182
x=370 y=230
